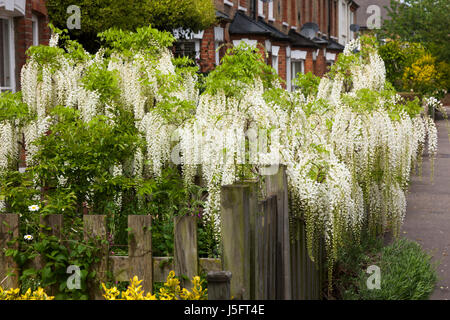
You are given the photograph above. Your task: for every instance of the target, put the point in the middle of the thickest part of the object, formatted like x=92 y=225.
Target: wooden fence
x=258 y=253
x=139 y=262
x=264 y=260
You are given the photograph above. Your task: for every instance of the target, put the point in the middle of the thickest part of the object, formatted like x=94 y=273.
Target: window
x=298 y=66
x=7 y=79
x=271 y=18
x=261 y=8
x=185 y=48
x=288 y=69
x=35 y=22
x=218 y=39
x=275 y=50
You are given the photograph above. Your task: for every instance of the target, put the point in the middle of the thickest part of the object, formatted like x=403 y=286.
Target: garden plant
x=113 y=132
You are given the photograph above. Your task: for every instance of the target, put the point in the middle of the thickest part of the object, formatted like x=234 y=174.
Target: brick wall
x=23 y=34
x=310 y=11
x=207 y=51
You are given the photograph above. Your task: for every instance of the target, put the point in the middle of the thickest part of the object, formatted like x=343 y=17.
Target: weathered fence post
x=95 y=226
x=140 y=255
x=276 y=185
x=9 y=229
x=235 y=228
x=185 y=249
x=219 y=285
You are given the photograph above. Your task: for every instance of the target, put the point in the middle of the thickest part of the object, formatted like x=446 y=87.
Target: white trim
x=275 y=62
x=285 y=24
x=261 y=9
x=197 y=49
x=298 y=55
x=288 y=52
x=251 y=43
x=12 y=55
x=242 y=9
x=268 y=45
x=288 y=72
x=35 y=24
x=218 y=34
x=294 y=28
x=275 y=50
x=217 y=54
x=15 y=7
x=330 y=56
x=270 y=13
x=228 y=3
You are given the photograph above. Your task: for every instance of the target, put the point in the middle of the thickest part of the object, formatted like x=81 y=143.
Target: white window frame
x=288 y=69
x=35 y=22
x=271 y=18
x=275 y=61
x=294 y=75
x=261 y=9
x=12 y=55
x=218 y=38
x=228 y=3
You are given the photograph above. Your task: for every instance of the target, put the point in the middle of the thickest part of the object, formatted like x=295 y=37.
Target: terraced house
x=23 y=23
x=299 y=35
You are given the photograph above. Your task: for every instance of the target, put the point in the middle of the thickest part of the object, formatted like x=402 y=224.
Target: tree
x=100 y=15
x=424 y=21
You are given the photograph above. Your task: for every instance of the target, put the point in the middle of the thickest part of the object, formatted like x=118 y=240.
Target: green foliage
x=144 y=39
x=98 y=78
x=307 y=83
x=239 y=68
x=370 y=100
x=100 y=15
x=421 y=21
x=398 y=55
x=56 y=257
x=12 y=108
x=407 y=272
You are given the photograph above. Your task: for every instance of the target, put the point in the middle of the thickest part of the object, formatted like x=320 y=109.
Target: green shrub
x=407 y=272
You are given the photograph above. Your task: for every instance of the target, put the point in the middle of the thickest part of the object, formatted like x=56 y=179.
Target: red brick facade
x=286 y=16
x=22 y=18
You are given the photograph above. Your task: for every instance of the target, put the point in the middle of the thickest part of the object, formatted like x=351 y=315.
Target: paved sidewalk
x=428 y=213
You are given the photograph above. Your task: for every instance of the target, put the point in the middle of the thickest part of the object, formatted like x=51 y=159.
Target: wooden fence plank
x=95 y=226
x=276 y=185
x=140 y=250
x=9 y=229
x=235 y=242
x=119 y=266
x=185 y=249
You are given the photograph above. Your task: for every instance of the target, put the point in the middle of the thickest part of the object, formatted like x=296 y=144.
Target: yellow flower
x=170 y=291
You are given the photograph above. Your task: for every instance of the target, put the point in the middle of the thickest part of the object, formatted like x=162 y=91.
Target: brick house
x=23 y=23
x=279 y=27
